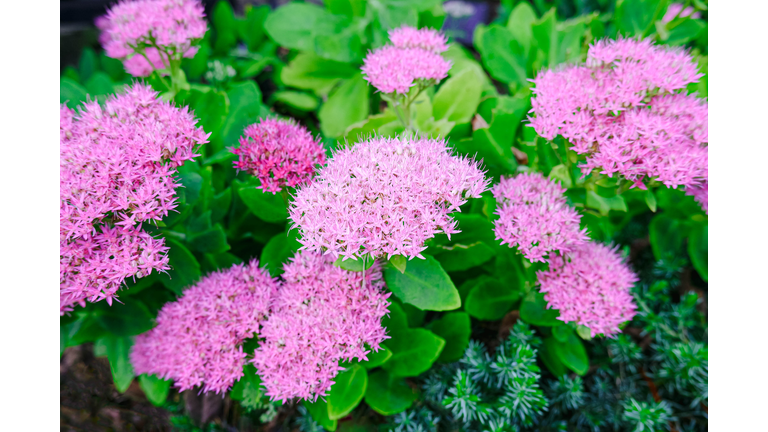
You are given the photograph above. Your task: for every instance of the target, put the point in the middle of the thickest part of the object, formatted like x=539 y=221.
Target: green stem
x=284 y=194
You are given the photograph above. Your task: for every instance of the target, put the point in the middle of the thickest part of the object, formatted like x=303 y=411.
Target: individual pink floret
x=425 y=38
x=623 y=111
x=281 y=153
x=534 y=216
x=131 y=29
x=395 y=70
x=385 y=196
x=117 y=168
x=322 y=315
x=198 y=338
x=590 y=286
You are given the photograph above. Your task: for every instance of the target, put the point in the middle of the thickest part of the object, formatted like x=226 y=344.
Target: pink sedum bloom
x=322 y=315
x=534 y=216
x=590 y=286
x=385 y=196
x=117 y=168
x=623 y=111
x=426 y=38
x=676 y=10
x=198 y=338
x=396 y=70
x=281 y=153
x=152 y=27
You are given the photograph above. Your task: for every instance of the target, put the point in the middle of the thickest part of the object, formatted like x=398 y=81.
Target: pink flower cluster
x=676 y=10
x=117 y=167
x=281 y=153
x=623 y=111
x=322 y=315
x=534 y=216
x=590 y=286
x=385 y=196
x=414 y=58
x=198 y=338
x=161 y=30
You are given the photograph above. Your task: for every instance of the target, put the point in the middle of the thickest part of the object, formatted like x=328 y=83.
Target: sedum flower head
x=624 y=111
x=395 y=70
x=281 y=153
x=590 y=286
x=534 y=216
x=385 y=196
x=426 y=38
x=151 y=27
x=676 y=10
x=198 y=338
x=117 y=168
x=322 y=315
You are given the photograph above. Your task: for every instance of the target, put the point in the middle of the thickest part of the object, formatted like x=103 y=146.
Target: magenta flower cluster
x=623 y=110
x=590 y=286
x=148 y=34
x=385 y=196
x=117 y=167
x=198 y=338
x=534 y=216
x=413 y=59
x=281 y=153
x=322 y=315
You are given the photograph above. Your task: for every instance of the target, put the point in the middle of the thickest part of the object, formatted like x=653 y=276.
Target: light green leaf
x=378 y=358
x=399 y=262
x=117 y=350
x=156 y=389
x=299 y=100
x=277 y=251
x=458 y=98
x=413 y=352
x=346 y=106
x=519 y=23
x=355 y=264
x=309 y=72
x=502 y=55
x=633 y=17
x=605 y=204
x=378 y=123
x=347 y=391
x=387 y=394
x=71 y=93
x=424 y=284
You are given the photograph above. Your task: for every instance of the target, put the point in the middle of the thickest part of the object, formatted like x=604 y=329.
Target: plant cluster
x=340 y=217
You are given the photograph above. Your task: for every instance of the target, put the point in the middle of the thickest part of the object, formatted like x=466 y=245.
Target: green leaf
x=214 y=262
x=99 y=84
x=396 y=322
x=560 y=42
x=502 y=55
x=399 y=262
x=584 y=332
x=413 y=352
x=310 y=72
x=633 y=17
x=266 y=205
x=185 y=270
x=156 y=389
x=213 y=241
x=698 y=249
x=378 y=358
x=88 y=65
x=71 y=93
x=461 y=59
x=562 y=332
x=344 y=44
x=252 y=32
x=534 y=311
x=319 y=412
x=686 y=31
x=650 y=199
x=490 y=300
x=283 y=27
x=424 y=284
x=458 y=98
x=117 y=350
x=573 y=354
x=414 y=315
x=347 y=391
x=385 y=124
x=455 y=329
x=547 y=353
x=519 y=24
x=388 y=395
x=346 y=7
x=667 y=235
x=605 y=204
x=278 y=250
x=211 y=108
x=561 y=174
x=355 y=264
x=459 y=257
x=124 y=319
x=223 y=18
x=298 y=100
x=346 y=106
x=245 y=108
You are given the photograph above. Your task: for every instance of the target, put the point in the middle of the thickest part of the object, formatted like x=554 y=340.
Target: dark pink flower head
x=385 y=196
x=623 y=111
x=590 y=286
x=676 y=10
x=117 y=168
x=281 y=153
x=391 y=69
x=534 y=216
x=427 y=39
x=321 y=316
x=198 y=338
x=172 y=27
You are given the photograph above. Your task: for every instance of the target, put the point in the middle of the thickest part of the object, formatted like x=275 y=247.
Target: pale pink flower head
x=281 y=153
x=395 y=70
x=426 y=38
x=677 y=8
x=117 y=169
x=198 y=338
x=385 y=196
x=152 y=27
x=66 y=119
x=590 y=286
x=534 y=216
x=322 y=315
